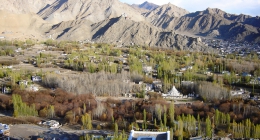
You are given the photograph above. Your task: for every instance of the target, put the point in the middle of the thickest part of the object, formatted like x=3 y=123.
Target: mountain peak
x=147 y=5
x=173 y=10
x=214 y=11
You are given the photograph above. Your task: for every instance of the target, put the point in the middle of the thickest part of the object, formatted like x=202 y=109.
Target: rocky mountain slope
x=124 y=32
x=164 y=14
x=141 y=33
x=21 y=26
x=110 y=21
x=92 y=10
x=209 y=23
x=24 y=6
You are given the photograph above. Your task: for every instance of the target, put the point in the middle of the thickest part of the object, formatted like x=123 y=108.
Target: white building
x=147 y=69
x=173 y=93
x=52 y=124
x=237 y=92
x=36 y=78
x=149 y=135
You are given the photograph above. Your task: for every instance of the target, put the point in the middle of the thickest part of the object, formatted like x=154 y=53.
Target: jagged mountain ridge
x=123 y=31
x=211 y=22
x=161 y=15
x=141 y=33
x=110 y=21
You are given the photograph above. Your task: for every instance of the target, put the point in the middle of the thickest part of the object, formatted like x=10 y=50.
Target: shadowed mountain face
x=110 y=21
x=208 y=23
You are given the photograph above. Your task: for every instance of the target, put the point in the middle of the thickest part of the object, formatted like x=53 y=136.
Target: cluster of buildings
x=230 y=47
x=5 y=89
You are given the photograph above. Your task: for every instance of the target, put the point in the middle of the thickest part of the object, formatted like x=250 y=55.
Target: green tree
x=21 y=108
x=51 y=111
x=180 y=129
x=247 y=128
x=171 y=133
x=84 y=108
x=228 y=120
x=171 y=113
x=164 y=120
x=144 y=121
x=217 y=117
x=208 y=127
x=116 y=130
x=86 y=121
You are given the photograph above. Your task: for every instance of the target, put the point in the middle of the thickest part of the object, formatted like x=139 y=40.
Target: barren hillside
x=126 y=32
x=92 y=10
x=22 y=26
x=24 y=6
x=211 y=22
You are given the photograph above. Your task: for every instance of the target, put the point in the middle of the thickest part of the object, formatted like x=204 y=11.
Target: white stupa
x=173 y=93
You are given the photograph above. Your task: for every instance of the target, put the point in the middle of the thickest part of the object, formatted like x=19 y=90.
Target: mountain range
x=111 y=21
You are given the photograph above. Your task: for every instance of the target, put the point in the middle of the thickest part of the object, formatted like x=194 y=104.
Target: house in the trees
x=237 y=92
x=147 y=69
x=157 y=86
x=36 y=78
x=23 y=82
x=6 y=90
x=208 y=73
x=186 y=68
x=244 y=74
x=33 y=88
x=148 y=87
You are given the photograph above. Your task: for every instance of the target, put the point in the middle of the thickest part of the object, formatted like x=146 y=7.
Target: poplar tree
x=51 y=112
x=116 y=130
x=247 y=128
x=171 y=133
x=217 y=116
x=180 y=129
x=164 y=120
x=84 y=108
x=86 y=121
x=208 y=127
x=144 y=126
x=158 y=111
x=171 y=113
x=228 y=120
x=155 y=123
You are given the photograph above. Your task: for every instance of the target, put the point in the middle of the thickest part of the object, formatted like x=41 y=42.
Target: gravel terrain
x=30 y=131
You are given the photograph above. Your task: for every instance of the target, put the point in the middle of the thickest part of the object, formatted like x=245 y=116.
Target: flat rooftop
x=149 y=135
